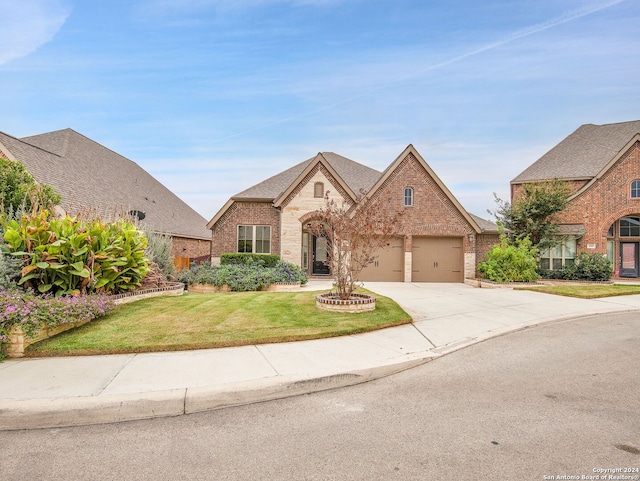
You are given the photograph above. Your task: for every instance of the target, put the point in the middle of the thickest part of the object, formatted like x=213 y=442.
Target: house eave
x=550 y=179
x=635 y=139
x=253 y=199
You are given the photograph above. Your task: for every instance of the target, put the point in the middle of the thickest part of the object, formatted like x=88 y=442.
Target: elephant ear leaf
x=84 y=272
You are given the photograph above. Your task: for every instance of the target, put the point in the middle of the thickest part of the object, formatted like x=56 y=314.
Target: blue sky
x=213 y=96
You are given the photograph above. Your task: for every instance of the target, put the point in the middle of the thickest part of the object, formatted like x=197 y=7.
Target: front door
x=629 y=259
x=320 y=255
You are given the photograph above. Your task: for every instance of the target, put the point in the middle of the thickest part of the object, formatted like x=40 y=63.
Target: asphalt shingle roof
x=88 y=175
x=354 y=174
x=583 y=154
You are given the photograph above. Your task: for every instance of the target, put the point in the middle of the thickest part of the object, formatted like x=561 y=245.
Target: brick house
x=602 y=165
x=91 y=177
x=438 y=240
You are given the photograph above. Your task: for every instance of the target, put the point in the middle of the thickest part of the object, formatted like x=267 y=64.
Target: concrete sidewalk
x=65 y=391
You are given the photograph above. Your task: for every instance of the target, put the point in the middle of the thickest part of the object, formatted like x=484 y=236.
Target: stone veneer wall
x=298 y=205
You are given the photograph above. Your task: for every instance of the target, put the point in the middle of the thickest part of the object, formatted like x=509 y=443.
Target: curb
x=81 y=411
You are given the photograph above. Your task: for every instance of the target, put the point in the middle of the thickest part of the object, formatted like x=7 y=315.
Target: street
x=554 y=400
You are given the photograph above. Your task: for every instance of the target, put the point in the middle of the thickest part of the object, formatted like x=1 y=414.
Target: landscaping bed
x=197 y=321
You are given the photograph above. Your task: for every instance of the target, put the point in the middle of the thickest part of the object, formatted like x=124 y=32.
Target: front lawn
x=587 y=292
x=197 y=321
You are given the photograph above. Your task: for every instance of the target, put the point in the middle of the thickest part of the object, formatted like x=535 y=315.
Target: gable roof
x=352 y=175
x=88 y=175
x=584 y=154
x=394 y=165
x=355 y=175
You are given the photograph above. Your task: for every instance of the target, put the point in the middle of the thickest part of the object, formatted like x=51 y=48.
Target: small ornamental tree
x=532 y=213
x=355 y=235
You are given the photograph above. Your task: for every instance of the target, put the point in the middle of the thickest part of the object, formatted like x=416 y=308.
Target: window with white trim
x=408 y=197
x=635 y=189
x=255 y=239
x=559 y=256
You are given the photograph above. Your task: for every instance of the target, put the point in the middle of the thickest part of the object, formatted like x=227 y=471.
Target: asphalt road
x=560 y=399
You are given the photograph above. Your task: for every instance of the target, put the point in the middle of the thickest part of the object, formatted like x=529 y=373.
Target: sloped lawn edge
x=298 y=326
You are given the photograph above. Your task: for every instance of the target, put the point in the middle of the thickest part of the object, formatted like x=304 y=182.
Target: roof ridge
x=67 y=131
x=29 y=144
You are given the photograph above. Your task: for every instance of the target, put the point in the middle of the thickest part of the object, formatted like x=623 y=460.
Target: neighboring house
x=438 y=241
x=91 y=178
x=602 y=165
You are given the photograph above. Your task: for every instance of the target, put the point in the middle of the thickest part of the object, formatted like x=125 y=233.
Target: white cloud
x=29 y=24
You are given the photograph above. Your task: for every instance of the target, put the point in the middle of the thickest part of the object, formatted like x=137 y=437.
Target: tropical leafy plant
x=69 y=256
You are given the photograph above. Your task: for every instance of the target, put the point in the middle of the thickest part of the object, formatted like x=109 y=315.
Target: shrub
x=243 y=277
x=9 y=270
x=511 y=262
x=267 y=260
x=587 y=267
x=69 y=256
x=32 y=312
x=159 y=251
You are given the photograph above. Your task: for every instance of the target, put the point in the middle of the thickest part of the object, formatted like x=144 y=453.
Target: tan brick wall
x=225 y=232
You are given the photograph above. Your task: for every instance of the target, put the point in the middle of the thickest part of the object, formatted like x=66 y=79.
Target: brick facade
x=434 y=213
x=225 y=231
x=191 y=248
x=602 y=204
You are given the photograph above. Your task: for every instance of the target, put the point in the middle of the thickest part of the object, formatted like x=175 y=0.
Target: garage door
x=437 y=259
x=389 y=265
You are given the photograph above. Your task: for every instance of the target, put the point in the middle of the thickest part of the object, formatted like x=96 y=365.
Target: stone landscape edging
x=19 y=341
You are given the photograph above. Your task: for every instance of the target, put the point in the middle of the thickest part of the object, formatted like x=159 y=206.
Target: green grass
x=197 y=321
x=587 y=292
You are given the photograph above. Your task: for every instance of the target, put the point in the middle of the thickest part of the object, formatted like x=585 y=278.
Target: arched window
x=408 y=196
x=318 y=190
x=635 y=189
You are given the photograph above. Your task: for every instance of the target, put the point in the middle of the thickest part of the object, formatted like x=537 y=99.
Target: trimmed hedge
x=266 y=260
